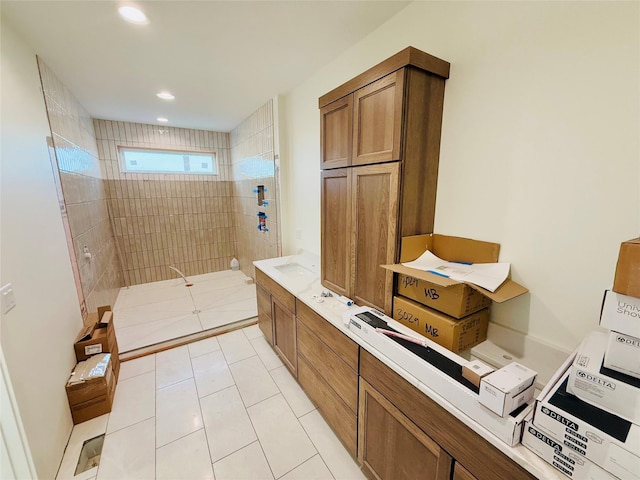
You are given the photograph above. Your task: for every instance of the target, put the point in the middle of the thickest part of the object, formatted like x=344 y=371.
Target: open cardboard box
x=452 y=297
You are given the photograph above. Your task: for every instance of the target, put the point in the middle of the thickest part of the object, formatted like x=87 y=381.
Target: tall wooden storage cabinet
x=380 y=143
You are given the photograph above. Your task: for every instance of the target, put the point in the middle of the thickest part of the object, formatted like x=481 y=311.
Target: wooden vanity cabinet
x=391 y=428
x=392 y=447
x=477 y=458
x=328 y=372
x=279 y=326
x=395 y=124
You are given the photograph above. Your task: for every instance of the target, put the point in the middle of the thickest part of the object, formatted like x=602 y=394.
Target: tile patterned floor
x=154 y=312
x=224 y=408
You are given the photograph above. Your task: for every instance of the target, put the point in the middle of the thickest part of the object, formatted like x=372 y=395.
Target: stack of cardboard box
x=587 y=420
x=94 y=397
x=451 y=313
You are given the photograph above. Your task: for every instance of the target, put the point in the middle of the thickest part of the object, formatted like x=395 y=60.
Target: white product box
x=621 y=313
x=606 y=389
x=562 y=458
x=507 y=429
x=605 y=439
x=507 y=388
x=623 y=354
x=475 y=370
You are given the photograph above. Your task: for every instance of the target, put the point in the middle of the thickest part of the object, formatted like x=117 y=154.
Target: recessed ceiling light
x=162 y=119
x=133 y=15
x=165 y=96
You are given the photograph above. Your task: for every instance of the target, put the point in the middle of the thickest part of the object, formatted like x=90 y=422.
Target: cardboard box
x=627 y=278
x=620 y=313
x=506 y=389
x=91 y=341
x=443 y=294
x=99 y=336
x=597 y=385
x=623 y=354
x=453 y=334
x=91 y=398
x=611 y=442
x=430 y=378
x=557 y=454
x=475 y=370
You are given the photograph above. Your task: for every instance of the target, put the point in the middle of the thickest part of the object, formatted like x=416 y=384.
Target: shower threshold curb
x=193 y=337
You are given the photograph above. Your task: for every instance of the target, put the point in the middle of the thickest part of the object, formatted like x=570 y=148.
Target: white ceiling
x=221 y=59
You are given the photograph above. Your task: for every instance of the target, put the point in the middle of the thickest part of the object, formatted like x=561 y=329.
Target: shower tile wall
x=252 y=152
x=84 y=192
x=159 y=220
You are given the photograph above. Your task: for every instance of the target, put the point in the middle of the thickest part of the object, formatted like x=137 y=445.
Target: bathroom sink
x=295 y=270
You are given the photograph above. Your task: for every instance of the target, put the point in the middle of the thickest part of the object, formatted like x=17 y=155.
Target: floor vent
x=90 y=454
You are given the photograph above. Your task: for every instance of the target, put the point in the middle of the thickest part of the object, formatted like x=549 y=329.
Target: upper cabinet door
x=335 y=133
x=377 y=120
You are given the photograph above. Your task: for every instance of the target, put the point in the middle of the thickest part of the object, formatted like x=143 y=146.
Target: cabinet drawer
x=286 y=299
x=339 y=417
x=479 y=457
x=264 y=300
x=329 y=366
x=343 y=346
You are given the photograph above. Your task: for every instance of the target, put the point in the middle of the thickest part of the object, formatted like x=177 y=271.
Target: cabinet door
x=391 y=447
x=335 y=133
x=336 y=233
x=284 y=334
x=374 y=211
x=461 y=473
x=264 y=313
x=377 y=120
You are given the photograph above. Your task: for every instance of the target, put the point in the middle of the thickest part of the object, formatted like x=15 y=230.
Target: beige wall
x=84 y=192
x=252 y=153
x=37 y=335
x=185 y=221
x=540 y=149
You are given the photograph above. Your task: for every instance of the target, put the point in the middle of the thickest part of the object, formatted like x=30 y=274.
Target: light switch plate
x=8 y=298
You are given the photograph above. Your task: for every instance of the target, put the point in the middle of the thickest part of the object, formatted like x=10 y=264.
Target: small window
x=138 y=160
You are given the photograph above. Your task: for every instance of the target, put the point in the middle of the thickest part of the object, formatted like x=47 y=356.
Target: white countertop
x=300 y=275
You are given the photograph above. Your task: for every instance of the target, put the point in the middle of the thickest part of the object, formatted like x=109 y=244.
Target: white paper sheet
x=486 y=275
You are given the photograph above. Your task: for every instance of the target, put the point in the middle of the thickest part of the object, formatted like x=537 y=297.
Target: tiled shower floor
x=156 y=312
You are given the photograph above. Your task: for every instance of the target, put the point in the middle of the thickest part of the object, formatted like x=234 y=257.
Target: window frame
x=122 y=163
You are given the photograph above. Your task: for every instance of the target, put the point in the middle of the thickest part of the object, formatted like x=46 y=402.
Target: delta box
x=454 y=298
x=453 y=334
x=621 y=313
x=506 y=389
x=623 y=354
x=559 y=456
x=605 y=439
x=607 y=389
